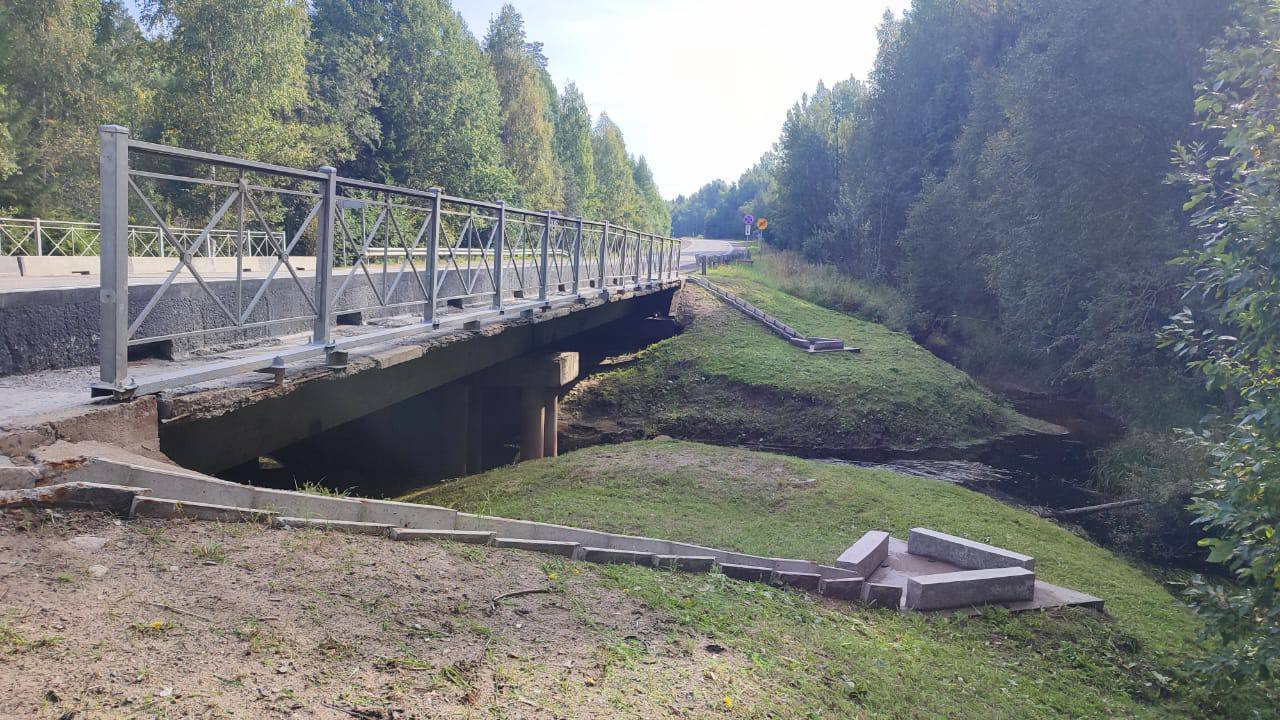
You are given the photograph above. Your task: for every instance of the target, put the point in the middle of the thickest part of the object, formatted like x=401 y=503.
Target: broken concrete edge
x=133 y=425
x=104 y=497
x=962 y=552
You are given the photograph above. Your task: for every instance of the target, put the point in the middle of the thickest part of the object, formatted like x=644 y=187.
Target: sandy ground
x=103 y=618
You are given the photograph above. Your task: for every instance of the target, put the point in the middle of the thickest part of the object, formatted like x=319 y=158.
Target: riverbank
x=835 y=660
x=727 y=380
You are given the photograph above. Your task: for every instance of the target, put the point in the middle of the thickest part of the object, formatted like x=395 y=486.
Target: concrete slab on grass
x=867 y=554
x=348 y=526
x=967 y=588
x=164 y=508
x=964 y=553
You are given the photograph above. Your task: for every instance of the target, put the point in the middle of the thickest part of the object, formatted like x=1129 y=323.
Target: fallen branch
x=493 y=604
x=1087 y=509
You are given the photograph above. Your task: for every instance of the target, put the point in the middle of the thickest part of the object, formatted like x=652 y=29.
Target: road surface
x=691 y=248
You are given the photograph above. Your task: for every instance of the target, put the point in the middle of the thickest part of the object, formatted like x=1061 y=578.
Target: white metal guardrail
x=38 y=237
x=376 y=248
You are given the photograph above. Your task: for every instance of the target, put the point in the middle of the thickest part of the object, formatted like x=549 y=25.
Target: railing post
x=40 y=242
x=546 y=242
x=113 y=250
x=322 y=330
x=649 y=259
x=662 y=253
x=433 y=258
x=499 y=243
x=604 y=257
x=577 y=257
x=635 y=266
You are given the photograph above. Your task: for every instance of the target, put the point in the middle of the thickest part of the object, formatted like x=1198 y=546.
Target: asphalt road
x=691 y=248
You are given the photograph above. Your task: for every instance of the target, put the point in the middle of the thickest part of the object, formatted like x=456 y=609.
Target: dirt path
x=102 y=618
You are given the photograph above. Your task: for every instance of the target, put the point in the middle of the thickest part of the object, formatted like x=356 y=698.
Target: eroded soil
x=103 y=618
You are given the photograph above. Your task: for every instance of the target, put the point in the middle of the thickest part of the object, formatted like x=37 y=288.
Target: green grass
x=726 y=379
x=825 y=659
x=825 y=285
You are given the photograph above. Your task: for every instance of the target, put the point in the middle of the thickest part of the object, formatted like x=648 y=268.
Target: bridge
x=242 y=306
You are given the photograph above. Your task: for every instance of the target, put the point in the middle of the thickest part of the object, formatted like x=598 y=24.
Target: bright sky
x=699 y=87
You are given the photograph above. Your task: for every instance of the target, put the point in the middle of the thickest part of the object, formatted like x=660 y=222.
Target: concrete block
x=970 y=587
x=9 y=266
x=18 y=477
x=397 y=355
x=186 y=486
x=685 y=563
x=964 y=553
x=179 y=509
x=753 y=573
x=619 y=557
x=864 y=556
x=116 y=499
x=551 y=547
x=802 y=580
x=302 y=505
x=843 y=588
x=639 y=544
x=403 y=514
x=882 y=596
x=794 y=566
x=347 y=526
x=473 y=537
x=834 y=573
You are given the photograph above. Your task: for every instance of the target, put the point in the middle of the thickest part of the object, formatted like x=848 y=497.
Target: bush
x=826 y=286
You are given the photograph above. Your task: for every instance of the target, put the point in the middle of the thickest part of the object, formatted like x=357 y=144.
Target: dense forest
x=1035 y=188
x=398 y=92
x=1004 y=167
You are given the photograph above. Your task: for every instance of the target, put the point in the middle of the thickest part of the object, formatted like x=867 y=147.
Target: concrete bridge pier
x=540 y=380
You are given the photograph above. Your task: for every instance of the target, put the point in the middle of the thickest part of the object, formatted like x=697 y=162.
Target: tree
x=1230 y=335
x=527 y=126
x=616 y=198
x=64 y=66
x=573 y=152
x=236 y=77
x=439 y=106
x=654 y=215
x=806 y=173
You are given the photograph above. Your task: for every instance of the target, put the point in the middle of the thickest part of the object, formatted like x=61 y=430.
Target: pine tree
x=573 y=151
x=347 y=63
x=526 y=110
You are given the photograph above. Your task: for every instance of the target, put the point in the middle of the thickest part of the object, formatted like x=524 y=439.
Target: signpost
x=746 y=222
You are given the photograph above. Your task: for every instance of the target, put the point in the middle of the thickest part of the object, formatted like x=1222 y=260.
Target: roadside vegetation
x=726 y=379
x=830 y=659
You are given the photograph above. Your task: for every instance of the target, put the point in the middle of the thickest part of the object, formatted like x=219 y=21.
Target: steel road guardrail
x=375 y=248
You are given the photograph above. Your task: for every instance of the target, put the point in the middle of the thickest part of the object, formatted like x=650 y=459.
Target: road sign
x=748 y=219
x=763 y=223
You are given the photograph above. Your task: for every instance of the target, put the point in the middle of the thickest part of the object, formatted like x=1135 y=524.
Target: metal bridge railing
x=38 y=237
x=371 y=248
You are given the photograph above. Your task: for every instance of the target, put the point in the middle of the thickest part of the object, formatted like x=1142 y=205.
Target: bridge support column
x=531 y=422
x=539 y=379
x=551 y=424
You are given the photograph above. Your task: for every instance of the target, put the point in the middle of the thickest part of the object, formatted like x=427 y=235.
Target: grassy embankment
x=816 y=658
x=726 y=379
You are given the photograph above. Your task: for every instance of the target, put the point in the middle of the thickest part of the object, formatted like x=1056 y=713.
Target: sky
x=699 y=87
